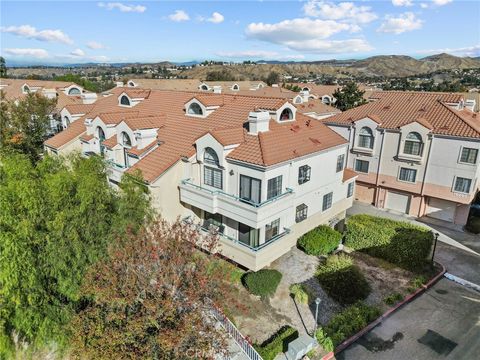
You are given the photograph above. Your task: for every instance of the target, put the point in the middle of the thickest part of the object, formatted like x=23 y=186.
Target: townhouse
x=251 y=169
x=415 y=152
x=196 y=85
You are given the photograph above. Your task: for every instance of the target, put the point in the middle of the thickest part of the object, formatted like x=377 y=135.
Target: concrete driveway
x=443 y=323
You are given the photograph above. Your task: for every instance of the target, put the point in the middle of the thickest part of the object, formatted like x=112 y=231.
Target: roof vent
x=258 y=121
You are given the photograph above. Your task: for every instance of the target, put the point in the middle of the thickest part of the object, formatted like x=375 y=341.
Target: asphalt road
x=442 y=323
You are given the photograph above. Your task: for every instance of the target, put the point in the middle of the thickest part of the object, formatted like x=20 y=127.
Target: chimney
x=258 y=122
x=305 y=94
x=217 y=89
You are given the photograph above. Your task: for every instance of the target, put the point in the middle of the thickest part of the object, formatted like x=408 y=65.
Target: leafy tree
x=152 y=298
x=25 y=123
x=3 y=68
x=87 y=84
x=220 y=75
x=349 y=97
x=56 y=219
x=272 y=78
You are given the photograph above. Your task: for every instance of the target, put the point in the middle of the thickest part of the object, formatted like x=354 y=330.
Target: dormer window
x=131 y=84
x=126 y=140
x=204 y=87
x=195 y=109
x=124 y=100
x=66 y=120
x=413 y=144
x=365 y=138
x=298 y=100
x=235 y=87
x=211 y=157
x=100 y=134
x=286 y=115
x=74 y=91
x=26 y=89
x=305 y=89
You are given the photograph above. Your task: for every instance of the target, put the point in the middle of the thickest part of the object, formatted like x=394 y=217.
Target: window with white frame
x=361 y=166
x=195 y=109
x=365 y=138
x=286 y=115
x=274 y=187
x=272 y=230
x=210 y=157
x=469 y=155
x=250 y=189
x=350 y=189
x=304 y=174
x=124 y=100
x=126 y=141
x=301 y=213
x=408 y=175
x=463 y=185
x=212 y=177
x=327 y=201
x=340 y=162
x=74 y=91
x=413 y=144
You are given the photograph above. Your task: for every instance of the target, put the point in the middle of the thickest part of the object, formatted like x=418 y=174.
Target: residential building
x=196 y=85
x=415 y=152
x=251 y=169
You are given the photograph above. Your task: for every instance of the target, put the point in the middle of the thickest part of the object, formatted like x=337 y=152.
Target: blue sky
x=146 y=31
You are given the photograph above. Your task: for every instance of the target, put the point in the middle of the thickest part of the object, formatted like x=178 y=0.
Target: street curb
x=328 y=356
x=390 y=311
x=463 y=282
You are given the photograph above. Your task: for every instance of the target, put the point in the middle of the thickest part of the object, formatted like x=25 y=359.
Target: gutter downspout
x=379 y=167
x=426 y=169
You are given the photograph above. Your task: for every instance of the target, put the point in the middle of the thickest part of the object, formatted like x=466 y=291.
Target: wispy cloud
x=30 y=32
x=434 y=3
x=402 y=2
x=36 y=53
x=78 y=53
x=179 y=15
x=399 y=24
x=259 y=54
x=216 y=18
x=94 y=45
x=472 y=51
x=123 y=7
x=339 y=11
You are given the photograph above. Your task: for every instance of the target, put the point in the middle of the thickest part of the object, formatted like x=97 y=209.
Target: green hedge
x=350 y=321
x=301 y=293
x=278 y=343
x=320 y=241
x=398 y=242
x=473 y=225
x=263 y=283
x=324 y=340
x=342 y=280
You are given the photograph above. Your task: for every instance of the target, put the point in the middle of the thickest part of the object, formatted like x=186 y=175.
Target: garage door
x=364 y=194
x=398 y=202
x=441 y=209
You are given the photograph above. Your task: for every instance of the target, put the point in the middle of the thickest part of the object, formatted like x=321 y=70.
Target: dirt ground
x=262 y=318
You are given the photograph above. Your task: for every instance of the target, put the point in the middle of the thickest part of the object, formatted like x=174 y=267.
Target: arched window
x=100 y=134
x=326 y=99
x=210 y=157
x=298 y=100
x=235 y=87
x=67 y=121
x=365 y=138
x=131 y=83
x=413 y=144
x=26 y=89
x=74 y=91
x=286 y=115
x=305 y=89
x=124 y=100
x=126 y=140
x=260 y=86
x=195 y=109
x=204 y=87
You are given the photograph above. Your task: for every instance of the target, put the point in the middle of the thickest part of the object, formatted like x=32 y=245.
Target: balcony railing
x=287 y=192
x=115 y=165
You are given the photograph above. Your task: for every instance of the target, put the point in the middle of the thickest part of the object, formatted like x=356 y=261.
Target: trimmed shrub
x=301 y=293
x=473 y=225
x=342 y=280
x=320 y=241
x=277 y=344
x=324 y=340
x=263 y=283
x=398 y=242
x=350 y=321
x=392 y=299
x=417 y=282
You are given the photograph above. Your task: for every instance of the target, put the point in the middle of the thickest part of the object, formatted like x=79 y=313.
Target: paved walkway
x=448 y=235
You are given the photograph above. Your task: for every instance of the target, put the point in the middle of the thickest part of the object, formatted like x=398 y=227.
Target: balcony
x=249 y=213
x=115 y=170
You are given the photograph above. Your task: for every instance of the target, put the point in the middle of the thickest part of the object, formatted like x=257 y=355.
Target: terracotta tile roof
x=74 y=130
x=79 y=108
x=319 y=90
x=147 y=122
x=268 y=91
x=168 y=84
x=136 y=93
x=231 y=136
x=86 y=137
x=110 y=142
x=348 y=174
x=285 y=142
x=116 y=117
x=208 y=99
x=394 y=109
x=316 y=106
x=138 y=152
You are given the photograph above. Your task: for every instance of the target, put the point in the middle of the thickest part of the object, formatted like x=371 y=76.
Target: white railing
x=236 y=335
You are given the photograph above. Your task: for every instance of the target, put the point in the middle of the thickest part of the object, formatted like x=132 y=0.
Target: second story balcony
x=245 y=211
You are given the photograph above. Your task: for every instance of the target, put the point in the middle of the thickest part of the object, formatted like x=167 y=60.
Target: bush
x=325 y=341
x=416 y=283
x=263 y=283
x=301 y=293
x=320 y=241
x=342 y=280
x=473 y=225
x=398 y=242
x=350 y=321
x=277 y=344
x=392 y=299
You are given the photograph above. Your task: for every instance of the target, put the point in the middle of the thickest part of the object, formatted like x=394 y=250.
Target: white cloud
x=30 y=32
x=402 y=2
x=340 y=11
x=122 y=7
x=331 y=46
x=95 y=45
x=179 y=15
x=434 y=3
x=78 y=53
x=441 y=2
x=216 y=18
x=403 y=23
x=263 y=54
x=472 y=51
x=36 y=53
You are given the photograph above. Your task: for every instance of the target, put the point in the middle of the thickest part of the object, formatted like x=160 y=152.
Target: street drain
x=375 y=344
x=441 y=345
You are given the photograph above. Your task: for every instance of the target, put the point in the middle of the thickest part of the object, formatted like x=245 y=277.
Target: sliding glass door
x=248 y=235
x=250 y=189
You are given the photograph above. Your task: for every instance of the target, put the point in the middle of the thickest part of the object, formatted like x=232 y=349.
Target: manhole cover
x=441 y=345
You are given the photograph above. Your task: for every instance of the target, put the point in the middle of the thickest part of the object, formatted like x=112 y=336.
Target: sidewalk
x=447 y=234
